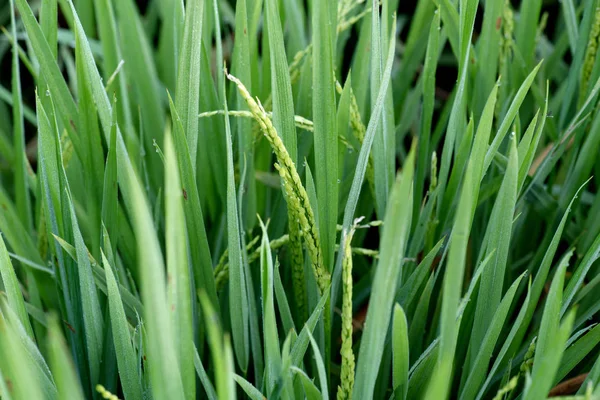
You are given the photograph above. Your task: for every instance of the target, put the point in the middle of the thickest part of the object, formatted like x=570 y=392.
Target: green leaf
x=500 y=229
x=251 y=391
x=452 y=285
x=92 y=315
x=238 y=297
x=200 y=252
x=324 y=114
x=16 y=366
x=271 y=338
x=387 y=278
x=400 y=348
x=162 y=361
x=187 y=96
x=551 y=340
x=22 y=198
x=126 y=358
x=179 y=282
x=479 y=363
x=65 y=375
x=509 y=117
x=13 y=288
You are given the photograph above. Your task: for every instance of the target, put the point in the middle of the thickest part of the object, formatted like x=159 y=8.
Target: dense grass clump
x=291 y=199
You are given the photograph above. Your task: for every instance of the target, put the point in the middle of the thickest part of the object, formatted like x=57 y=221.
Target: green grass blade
x=574 y=354
x=13 y=289
x=22 y=198
x=387 y=277
x=238 y=297
x=242 y=68
x=452 y=285
x=551 y=340
x=271 y=338
x=324 y=114
x=361 y=165
x=188 y=74
x=110 y=205
x=164 y=371
x=200 y=252
x=400 y=348
x=320 y=367
x=509 y=117
x=283 y=104
x=499 y=228
x=92 y=315
x=126 y=359
x=251 y=391
x=429 y=68
x=15 y=365
x=179 y=295
x=481 y=360
x=206 y=383
x=65 y=375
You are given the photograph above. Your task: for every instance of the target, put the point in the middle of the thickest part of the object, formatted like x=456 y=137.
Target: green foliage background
x=290 y=199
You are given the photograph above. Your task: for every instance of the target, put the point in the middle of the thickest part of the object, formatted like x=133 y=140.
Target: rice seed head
x=296 y=196
x=297 y=263
x=348 y=363
x=590 y=56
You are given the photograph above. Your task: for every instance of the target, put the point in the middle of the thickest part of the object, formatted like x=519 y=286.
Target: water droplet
x=339 y=181
x=48 y=92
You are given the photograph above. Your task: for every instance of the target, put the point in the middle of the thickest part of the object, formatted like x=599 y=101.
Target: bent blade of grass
x=500 y=228
x=178 y=286
x=206 y=383
x=387 y=277
x=324 y=112
x=400 y=349
x=13 y=288
x=164 y=371
x=301 y=343
x=126 y=359
x=251 y=391
x=63 y=369
x=188 y=74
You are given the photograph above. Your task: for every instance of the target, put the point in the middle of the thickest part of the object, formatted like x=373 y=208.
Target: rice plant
x=291 y=199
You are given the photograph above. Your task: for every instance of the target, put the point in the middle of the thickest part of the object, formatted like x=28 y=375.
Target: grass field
x=289 y=199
